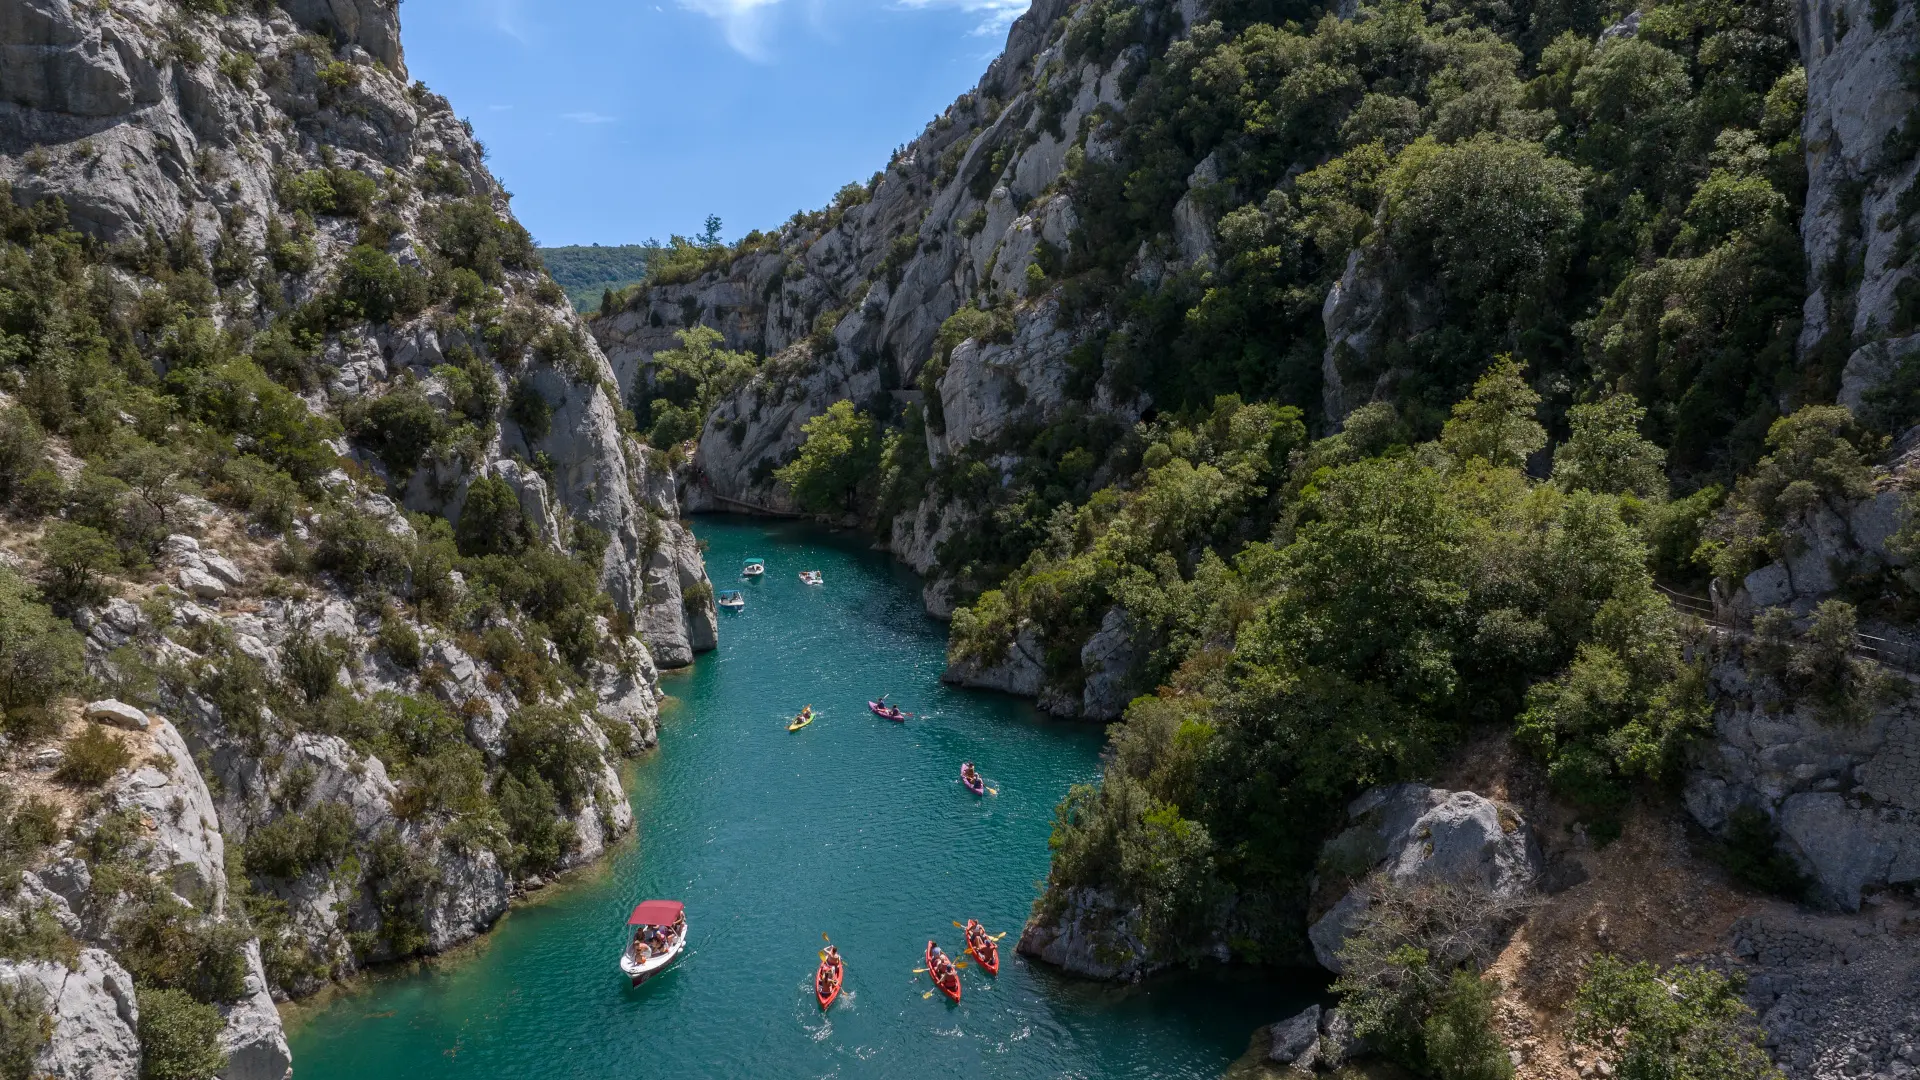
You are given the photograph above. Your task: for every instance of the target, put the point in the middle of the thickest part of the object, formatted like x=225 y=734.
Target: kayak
x=951 y=987
x=978 y=785
x=825 y=988
x=982 y=949
x=887 y=711
x=801 y=721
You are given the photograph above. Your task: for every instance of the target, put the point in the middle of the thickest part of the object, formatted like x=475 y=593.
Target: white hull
x=639 y=972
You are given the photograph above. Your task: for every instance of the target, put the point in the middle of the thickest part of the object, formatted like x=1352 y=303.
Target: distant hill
x=586 y=272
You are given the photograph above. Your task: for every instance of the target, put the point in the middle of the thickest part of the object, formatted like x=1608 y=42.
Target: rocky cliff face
x=280 y=150
x=849 y=304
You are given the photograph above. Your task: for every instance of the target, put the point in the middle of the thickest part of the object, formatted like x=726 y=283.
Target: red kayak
x=887 y=711
x=982 y=949
x=827 y=982
x=977 y=785
x=951 y=985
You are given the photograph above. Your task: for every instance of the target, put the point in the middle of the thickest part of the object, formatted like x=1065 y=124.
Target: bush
x=470 y=235
x=399 y=639
x=375 y=288
x=490 y=521
x=295 y=844
x=1649 y=1024
x=1461 y=1042
x=25 y=1026
x=40 y=655
x=841 y=454
x=529 y=408
x=179 y=1037
x=367 y=558
x=540 y=836
x=400 y=425
x=92 y=757
x=31 y=932
x=163 y=943
x=545 y=741
x=313 y=664
x=76 y=562
x=400 y=878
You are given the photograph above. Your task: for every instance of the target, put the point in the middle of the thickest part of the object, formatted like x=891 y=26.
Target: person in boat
x=939 y=965
x=970 y=774
x=835 y=966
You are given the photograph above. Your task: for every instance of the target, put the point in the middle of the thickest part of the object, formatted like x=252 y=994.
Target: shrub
x=399 y=639
x=76 y=562
x=312 y=665
x=400 y=878
x=27 y=827
x=545 y=741
x=92 y=757
x=25 y=1027
x=40 y=655
x=490 y=521
x=470 y=235
x=31 y=932
x=540 y=836
x=1649 y=1024
x=179 y=1037
x=163 y=943
x=530 y=409
x=400 y=425
x=297 y=843
x=359 y=549
x=1461 y=1042
x=375 y=288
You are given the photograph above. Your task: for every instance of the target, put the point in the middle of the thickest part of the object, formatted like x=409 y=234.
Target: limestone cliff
x=352 y=244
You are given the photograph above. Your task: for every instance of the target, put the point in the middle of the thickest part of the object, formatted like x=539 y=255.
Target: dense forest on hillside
x=589 y=271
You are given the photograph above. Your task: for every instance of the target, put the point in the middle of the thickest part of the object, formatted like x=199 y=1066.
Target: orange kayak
x=950 y=986
x=984 y=951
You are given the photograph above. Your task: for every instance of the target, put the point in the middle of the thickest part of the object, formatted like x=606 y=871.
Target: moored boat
x=732 y=600
x=659 y=937
x=950 y=983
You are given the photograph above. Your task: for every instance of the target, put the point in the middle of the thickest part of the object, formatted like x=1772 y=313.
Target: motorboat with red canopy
x=659 y=936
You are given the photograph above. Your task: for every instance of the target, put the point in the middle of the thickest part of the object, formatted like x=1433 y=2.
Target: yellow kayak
x=805 y=718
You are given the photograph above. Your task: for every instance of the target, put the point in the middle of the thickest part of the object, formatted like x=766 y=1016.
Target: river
x=853 y=827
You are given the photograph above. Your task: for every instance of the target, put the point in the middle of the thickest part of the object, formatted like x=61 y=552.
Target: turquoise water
x=854 y=827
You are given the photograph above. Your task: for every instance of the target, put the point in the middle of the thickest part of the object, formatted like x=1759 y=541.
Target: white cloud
x=589 y=118
x=505 y=16
x=996 y=15
x=743 y=22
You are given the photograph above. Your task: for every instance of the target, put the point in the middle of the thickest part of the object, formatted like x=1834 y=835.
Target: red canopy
x=656 y=913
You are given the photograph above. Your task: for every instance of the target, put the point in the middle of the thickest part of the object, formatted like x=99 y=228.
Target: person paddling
x=938 y=963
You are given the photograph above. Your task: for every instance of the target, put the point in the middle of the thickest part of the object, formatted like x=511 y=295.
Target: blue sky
x=614 y=121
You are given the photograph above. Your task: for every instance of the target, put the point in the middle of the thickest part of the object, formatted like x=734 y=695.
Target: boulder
x=201 y=584
x=1018 y=672
x=1294 y=1041
x=1338 y=1044
x=1411 y=832
x=116 y=714
x=95 y=1017
x=1108 y=658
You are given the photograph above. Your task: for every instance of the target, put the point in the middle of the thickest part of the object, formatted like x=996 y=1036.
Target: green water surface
x=855 y=827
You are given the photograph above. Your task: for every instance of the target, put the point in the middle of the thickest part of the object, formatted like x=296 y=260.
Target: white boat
x=753 y=568
x=659 y=937
x=812 y=577
x=731 y=600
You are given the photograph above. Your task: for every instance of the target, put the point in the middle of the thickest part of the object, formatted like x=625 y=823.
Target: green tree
x=841 y=453
x=25 y=1027
x=1497 y=423
x=1683 y=1023
x=711 y=371
x=40 y=655
x=77 y=560
x=491 y=522
x=1606 y=452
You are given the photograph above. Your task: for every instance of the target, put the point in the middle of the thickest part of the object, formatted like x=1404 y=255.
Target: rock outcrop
x=95 y=1017
x=1411 y=833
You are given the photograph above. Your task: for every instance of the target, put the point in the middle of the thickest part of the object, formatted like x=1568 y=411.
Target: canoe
x=824 y=990
x=951 y=987
x=890 y=713
x=979 y=784
x=982 y=949
x=801 y=721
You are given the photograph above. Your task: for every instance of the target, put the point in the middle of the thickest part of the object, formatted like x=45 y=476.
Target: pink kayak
x=887 y=711
x=978 y=785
